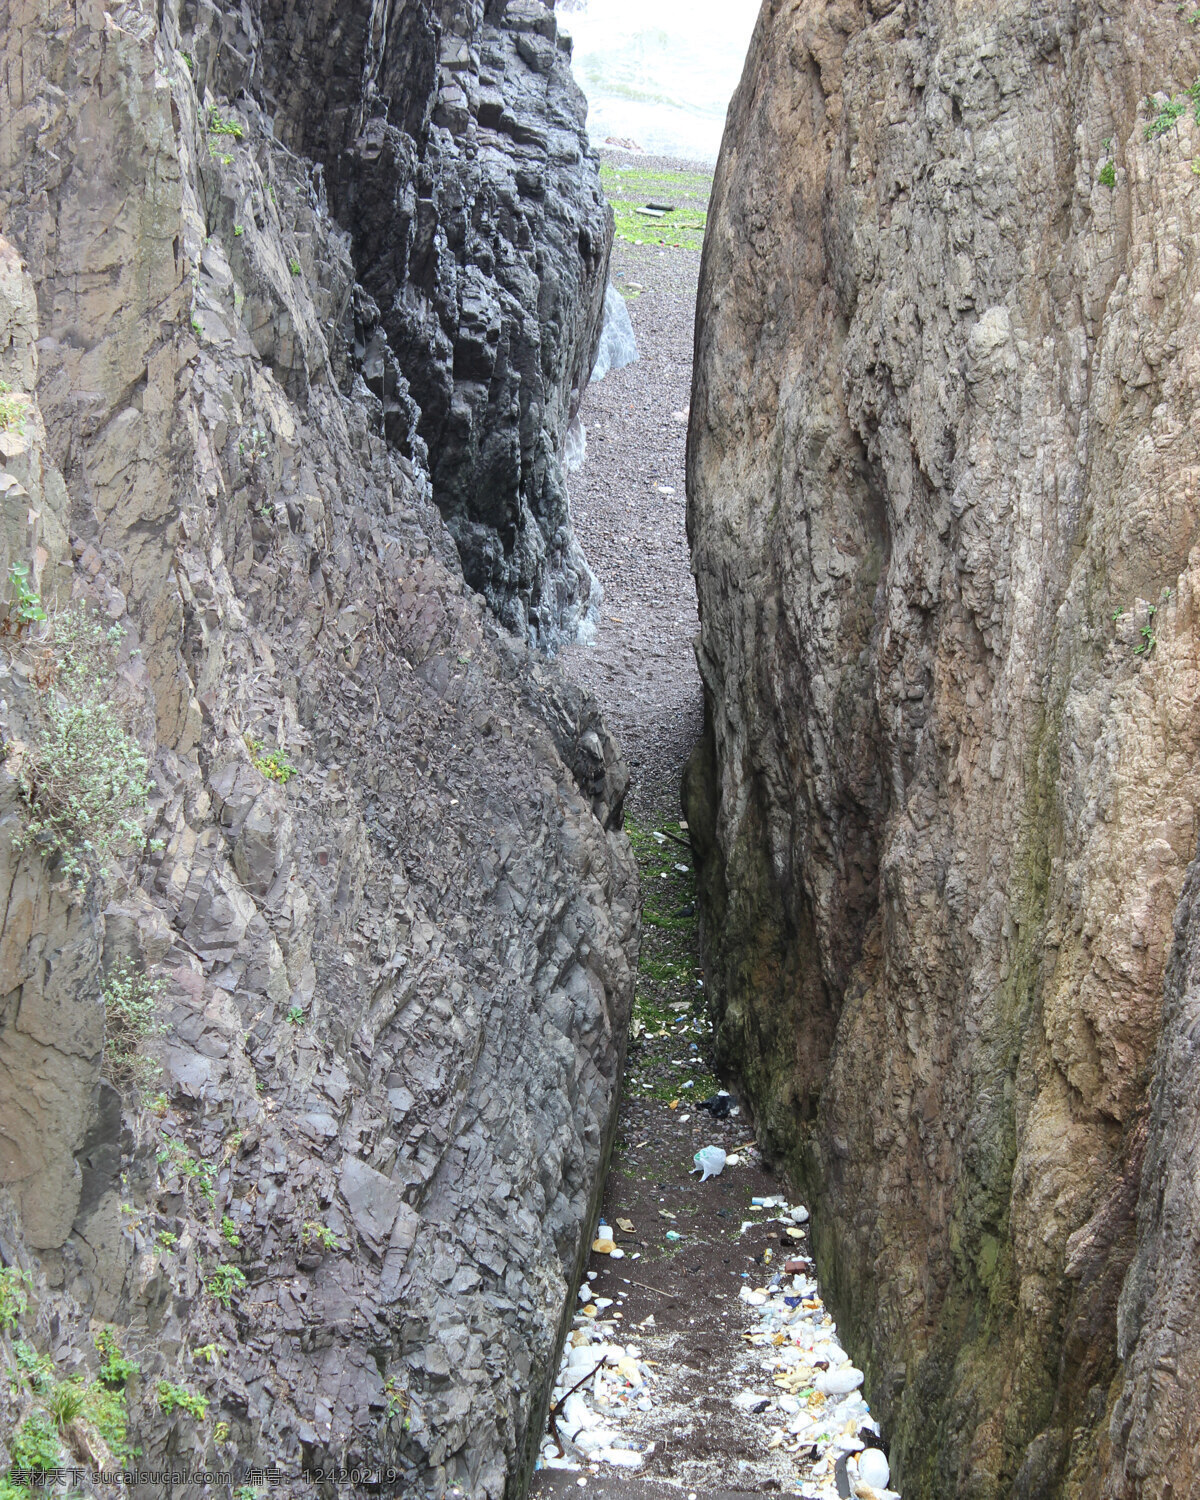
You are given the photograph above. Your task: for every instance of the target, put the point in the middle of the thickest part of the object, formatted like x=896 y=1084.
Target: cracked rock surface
x=942 y=482
x=388 y=907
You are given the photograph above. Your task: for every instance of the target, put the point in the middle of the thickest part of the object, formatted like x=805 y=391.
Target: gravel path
x=628 y=506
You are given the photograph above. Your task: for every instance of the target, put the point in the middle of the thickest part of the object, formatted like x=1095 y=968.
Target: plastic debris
x=710 y=1162
x=873 y=1469
x=718 y=1106
x=617 y=346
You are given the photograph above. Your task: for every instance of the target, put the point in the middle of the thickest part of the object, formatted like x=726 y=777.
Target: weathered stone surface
x=396 y=970
x=452 y=134
x=943 y=465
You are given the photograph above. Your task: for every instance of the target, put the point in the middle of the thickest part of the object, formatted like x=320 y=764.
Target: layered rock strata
x=943 y=468
x=387 y=916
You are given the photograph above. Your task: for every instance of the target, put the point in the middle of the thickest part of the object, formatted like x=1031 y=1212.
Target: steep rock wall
x=387 y=905
x=943 y=463
x=453 y=141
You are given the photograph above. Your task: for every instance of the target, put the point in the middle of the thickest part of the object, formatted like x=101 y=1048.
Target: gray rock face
x=452 y=135
x=388 y=908
x=942 y=491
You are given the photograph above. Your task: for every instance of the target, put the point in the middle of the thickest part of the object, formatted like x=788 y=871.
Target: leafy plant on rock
x=179 y=1398
x=130 y=1007
x=24 y=605
x=84 y=780
x=223 y=1282
x=115 y=1370
x=14 y=408
x=14 y=1297
x=35 y=1443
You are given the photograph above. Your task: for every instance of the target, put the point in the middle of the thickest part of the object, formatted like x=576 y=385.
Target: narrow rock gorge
x=942 y=483
x=319 y=926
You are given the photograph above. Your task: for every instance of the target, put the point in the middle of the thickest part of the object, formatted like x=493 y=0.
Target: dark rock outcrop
x=943 y=466
x=452 y=137
x=387 y=916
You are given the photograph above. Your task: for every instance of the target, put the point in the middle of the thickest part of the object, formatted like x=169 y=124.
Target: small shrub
x=130 y=1006
x=223 y=1282
x=238 y=231
x=115 y=1370
x=296 y=1016
x=273 y=764
x=219 y=125
x=14 y=1297
x=35 y=1443
x=1165 y=117
x=188 y=1166
x=294 y=266
x=253 y=447
x=187 y=60
x=166 y=1241
x=108 y=1413
x=178 y=1397
x=38 y=1369
x=65 y=1402
x=1108 y=174
x=209 y=1353
x=24 y=605
x=85 y=779
x=229 y=1232
x=321 y=1234
x=221 y=1432
x=14 y=408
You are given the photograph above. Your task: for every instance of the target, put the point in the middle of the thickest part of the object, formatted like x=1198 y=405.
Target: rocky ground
x=627 y=501
x=680 y=1352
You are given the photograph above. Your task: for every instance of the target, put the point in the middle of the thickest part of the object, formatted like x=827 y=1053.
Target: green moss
x=630 y=189
x=1108 y=174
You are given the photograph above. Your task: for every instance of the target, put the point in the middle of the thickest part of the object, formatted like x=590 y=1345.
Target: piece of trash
x=838 y=1382
x=710 y=1162
x=669 y=489
x=674 y=1104
x=665 y=208
x=683 y=1119
x=616 y=1253
x=733 y=1161
x=625 y=1225
x=873 y=1469
x=796 y=1267
x=647 y=1322
x=777 y=1201
x=799 y=1215
x=795 y=1234
x=673 y=1234
x=604 y=1244
x=652 y=213
x=751 y=1401
x=755 y=1299
x=718 y=1106
x=747 y=1224
x=617 y=346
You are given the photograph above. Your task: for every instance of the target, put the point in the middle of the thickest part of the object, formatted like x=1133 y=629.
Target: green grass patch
x=630 y=189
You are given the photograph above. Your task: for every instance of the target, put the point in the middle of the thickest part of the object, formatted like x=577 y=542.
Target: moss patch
x=630 y=189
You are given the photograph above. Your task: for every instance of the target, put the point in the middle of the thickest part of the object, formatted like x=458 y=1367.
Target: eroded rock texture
x=394 y=979
x=452 y=137
x=943 y=464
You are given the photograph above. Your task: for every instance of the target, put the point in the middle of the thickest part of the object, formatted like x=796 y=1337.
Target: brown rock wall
x=942 y=491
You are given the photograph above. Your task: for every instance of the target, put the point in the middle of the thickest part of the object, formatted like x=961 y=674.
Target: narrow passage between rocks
x=702 y=1361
